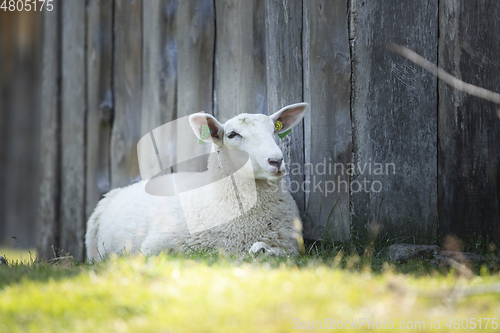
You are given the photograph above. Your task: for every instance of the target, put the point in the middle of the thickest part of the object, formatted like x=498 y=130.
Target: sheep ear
x=216 y=130
x=288 y=117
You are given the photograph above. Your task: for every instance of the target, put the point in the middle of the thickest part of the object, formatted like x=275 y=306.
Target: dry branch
x=443 y=75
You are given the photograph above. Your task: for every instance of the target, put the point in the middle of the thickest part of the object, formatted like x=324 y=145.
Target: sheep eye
x=233 y=134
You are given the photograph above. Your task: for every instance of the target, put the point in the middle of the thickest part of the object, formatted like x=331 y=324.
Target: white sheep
x=131 y=220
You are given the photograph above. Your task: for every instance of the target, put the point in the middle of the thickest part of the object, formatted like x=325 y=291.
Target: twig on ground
x=60 y=258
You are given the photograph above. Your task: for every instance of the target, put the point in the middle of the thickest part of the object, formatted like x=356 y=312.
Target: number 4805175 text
x=26 y=5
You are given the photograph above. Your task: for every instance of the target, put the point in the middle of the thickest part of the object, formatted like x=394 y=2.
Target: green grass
x=209 y=291
x=17 y=255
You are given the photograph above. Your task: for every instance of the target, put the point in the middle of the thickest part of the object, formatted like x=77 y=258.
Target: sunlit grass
x=211 y=292
x=25 y=256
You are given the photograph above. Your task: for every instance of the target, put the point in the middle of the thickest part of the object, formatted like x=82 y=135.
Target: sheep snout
x=275 y=162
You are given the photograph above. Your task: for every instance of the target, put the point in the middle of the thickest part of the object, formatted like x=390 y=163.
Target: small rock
x=405 y=252
x=2 y=261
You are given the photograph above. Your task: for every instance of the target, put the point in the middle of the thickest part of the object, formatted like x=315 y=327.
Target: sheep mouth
x=276 y=177
x=278 y=174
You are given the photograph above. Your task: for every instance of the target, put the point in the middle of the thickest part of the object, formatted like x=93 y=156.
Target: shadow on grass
x=355 y=254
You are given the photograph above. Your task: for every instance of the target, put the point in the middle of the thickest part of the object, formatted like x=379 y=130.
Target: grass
x=18 y=256
x=209 y=291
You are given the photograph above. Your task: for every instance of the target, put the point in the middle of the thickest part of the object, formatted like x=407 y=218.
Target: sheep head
x=255 y=134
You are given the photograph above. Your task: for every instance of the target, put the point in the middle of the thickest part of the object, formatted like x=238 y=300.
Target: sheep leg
x=261 y=247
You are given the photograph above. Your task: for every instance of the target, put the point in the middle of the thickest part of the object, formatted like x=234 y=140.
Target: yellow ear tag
x=278 y=125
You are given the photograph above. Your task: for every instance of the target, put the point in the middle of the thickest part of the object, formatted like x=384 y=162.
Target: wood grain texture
x=235 y=87
x=47 y=228
x=240 y=83
x=195 y=42
x=3 y=117
x=195 y=38
x=284 y=80
x=127 y=85
x=394 y=119
x=259 y=56
x=73 y=121
x=99 y=100
x=327 y=77
x=469 y=128
x=20 y=114
x=159 y=104
x=19 y=123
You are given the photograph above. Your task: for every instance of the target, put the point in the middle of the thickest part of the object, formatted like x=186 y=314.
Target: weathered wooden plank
x=3 y=118
x=284 y=80
x=394 y=119
x=195 y=42
x=127 y=87
x=469 y=128
x=195 y=38
x=47 y=229
x=235 y=89
x=99 y=100
x=21 y=118
x=240 y=74
x=73 y=119
x=327 y=80
x=259 y=56
x=307 y=222
x=6 y=69
x=159 y=64
x=159 y=102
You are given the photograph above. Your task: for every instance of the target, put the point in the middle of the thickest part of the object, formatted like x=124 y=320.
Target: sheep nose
x=276 y=162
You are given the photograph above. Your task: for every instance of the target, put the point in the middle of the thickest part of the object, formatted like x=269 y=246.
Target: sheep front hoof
x=261 y=248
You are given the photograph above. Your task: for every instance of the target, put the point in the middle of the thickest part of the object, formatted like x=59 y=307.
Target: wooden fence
x=20 y=63
x=426 y=157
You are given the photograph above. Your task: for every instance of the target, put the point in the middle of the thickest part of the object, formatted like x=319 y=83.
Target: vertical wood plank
x=235 y=89
x=73 y=121
x=22 y=128
x=259 y=56
x=3 y=117
x=20 y=71
x=394 y=119
x=159 y=104
x=127 y=87
x=328 y=141
x=469 y=128
x=284 y=80
x=195 y=42
x=47 y=229
x=195 y=38
x=307 y=222
x=240 y=74
x=99 y=100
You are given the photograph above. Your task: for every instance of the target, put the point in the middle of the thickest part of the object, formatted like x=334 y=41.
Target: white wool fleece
x=131 y=220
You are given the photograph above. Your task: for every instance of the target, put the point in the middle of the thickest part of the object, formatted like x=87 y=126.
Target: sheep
x=129 y=220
